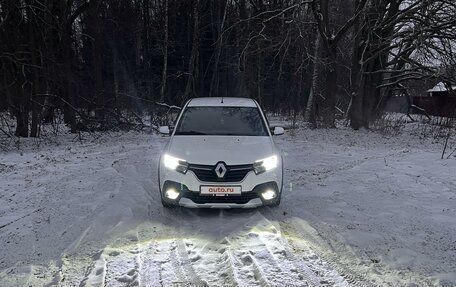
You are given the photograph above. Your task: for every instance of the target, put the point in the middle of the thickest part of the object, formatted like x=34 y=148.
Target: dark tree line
x=104 y=61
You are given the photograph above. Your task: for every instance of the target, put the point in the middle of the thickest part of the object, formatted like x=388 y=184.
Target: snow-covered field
x=358 y=209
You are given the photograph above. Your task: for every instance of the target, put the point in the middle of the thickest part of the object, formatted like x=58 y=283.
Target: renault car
x=221 y=154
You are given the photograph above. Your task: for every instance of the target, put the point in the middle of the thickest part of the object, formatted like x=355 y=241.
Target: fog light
x=268 y=194
x=171 y=193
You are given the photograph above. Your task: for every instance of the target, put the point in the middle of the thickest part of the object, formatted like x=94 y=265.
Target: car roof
x=221 y=102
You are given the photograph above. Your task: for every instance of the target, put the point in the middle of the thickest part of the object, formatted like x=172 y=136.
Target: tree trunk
x=215 y=78
x=366 y=77
x=35 y=83
x=242 y=88
x=22 y=108
x=165 y=55
x=258 y=79
x=366 y=94
x=21 y=123
x=356 y=113
x=356 y=77
x=97 y=59
x=325 y=98
x=65 y=42
x=115 y=76
x=328 y=106
x=310 y=107
x=69 y=105
x=192 y=64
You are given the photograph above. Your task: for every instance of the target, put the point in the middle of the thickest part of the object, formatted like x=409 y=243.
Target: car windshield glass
x=238 y=121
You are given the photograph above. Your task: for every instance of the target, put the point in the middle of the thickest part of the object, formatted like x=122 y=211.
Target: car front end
x=221 y=155
x=220 y=185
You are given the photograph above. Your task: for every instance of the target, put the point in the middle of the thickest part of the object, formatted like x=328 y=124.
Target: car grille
x=237 y=199
x=234 y=173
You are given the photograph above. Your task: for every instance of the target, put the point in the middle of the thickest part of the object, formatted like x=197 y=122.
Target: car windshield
x=237 y=121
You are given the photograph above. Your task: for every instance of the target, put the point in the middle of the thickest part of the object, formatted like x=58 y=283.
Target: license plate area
x=211 y=190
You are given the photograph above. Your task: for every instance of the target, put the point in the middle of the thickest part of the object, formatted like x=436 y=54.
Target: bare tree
x=192 y=69
x=396 y=41
x=103 y=63
x=218 y=49
x=165 y=53
x=330 y=38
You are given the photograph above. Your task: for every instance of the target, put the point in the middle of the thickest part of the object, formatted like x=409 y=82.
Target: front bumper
x=192 y=182
x=185 y=202
x=193 y=199
x=189 y=184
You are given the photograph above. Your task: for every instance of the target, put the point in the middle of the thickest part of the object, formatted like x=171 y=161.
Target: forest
x=101 y=64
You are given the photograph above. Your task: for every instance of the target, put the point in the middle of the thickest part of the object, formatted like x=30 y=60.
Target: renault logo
x=220 y=170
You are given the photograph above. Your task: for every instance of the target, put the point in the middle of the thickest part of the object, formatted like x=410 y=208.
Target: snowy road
x=358 y=210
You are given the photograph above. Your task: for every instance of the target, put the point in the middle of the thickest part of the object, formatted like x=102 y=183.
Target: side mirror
x=278 y=131
x=164 y=130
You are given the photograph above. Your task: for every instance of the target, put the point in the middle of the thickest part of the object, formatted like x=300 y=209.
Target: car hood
x=229 y=149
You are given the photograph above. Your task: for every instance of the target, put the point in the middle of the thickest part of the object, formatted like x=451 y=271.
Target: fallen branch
x=418 y=108
x=421 y=110
x=446 y=144
x=3 y=131
x=448 y=157
x=342 y=112
x=410 y=117
x=168 y=106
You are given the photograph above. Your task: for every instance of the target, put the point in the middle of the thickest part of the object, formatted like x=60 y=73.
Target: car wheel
x=276 y=202
x=167 y=205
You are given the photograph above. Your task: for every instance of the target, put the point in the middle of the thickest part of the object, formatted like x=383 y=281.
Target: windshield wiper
x=190 y=133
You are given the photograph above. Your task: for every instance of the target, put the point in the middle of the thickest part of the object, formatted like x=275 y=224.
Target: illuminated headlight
x=175 y=163
x=265 y=164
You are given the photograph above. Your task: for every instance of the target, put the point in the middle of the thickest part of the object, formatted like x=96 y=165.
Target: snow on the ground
x=358 y=209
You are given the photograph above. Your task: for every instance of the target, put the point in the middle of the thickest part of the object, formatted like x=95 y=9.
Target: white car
x=221 y=155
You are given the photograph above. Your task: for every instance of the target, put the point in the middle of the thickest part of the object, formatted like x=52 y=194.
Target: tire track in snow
x=310 y=267
x=225 y=263
x=181 y=251
x=150 y=269
x=122 y=267
x=262 y=253
x=181 y=259
x=136 y=173
x=215 y=263
x=272 y=257
x=164 y=257
x=258 y=272
x=115 y=266
x=232 y=273
x=258 y=255
x=157 y=262
x=336 y=271
x=280 y=253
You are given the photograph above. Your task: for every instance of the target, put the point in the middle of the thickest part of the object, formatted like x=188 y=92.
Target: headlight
x=265 y=164
x=175 y=163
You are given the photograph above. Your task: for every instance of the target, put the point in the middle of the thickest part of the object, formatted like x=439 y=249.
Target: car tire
x=276 y=202
x=167 y=205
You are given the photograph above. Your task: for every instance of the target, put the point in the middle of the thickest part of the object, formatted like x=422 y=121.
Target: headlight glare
x=268 y=194
x=172 y=194
x=175 y=163
x=265 y=164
